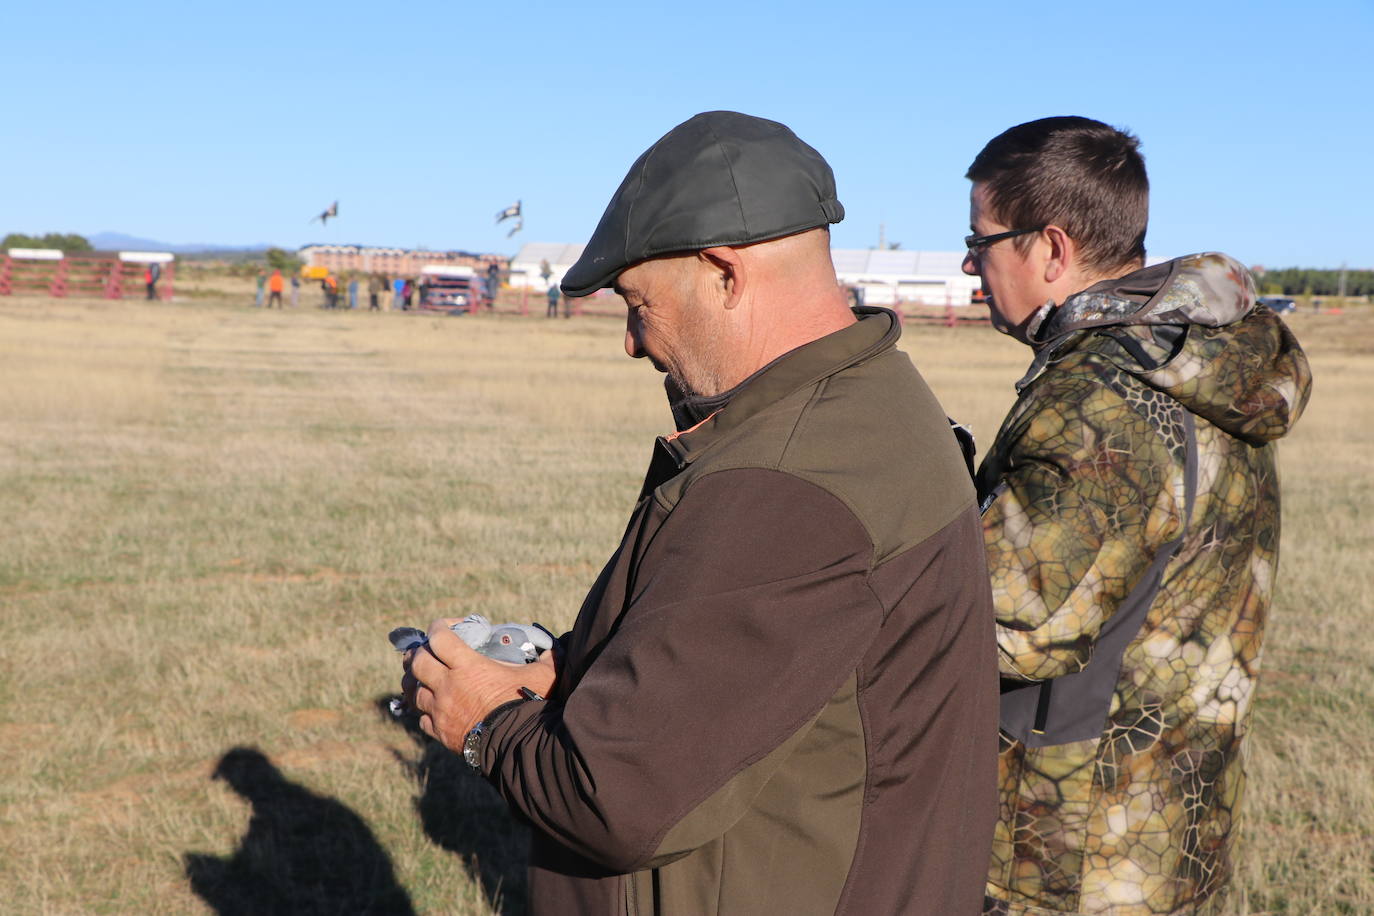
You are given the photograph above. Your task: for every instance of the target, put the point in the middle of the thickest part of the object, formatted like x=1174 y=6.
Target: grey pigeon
x=516 y=643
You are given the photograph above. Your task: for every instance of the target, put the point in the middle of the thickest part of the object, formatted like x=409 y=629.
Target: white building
x=886 y=277
x=526 y=268
x=915 y=277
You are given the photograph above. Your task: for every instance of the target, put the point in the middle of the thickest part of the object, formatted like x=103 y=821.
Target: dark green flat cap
x=719 y=178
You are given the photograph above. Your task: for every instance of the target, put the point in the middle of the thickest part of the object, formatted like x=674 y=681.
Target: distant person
x=151 y=275
x=262 y=283
x=275 y=285
x=493 y=283
x=330 y=284
x=295 y=290
x=353 y=292
x=398 y=287
x=376 y=285
x=1131 y=523
x=407 y=294
x=554 y=296
x=424 y=290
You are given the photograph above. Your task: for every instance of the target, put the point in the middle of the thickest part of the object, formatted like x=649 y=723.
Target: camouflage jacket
x=1132 y=528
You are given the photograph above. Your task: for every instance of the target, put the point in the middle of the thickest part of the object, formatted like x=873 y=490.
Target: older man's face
x=674 y=320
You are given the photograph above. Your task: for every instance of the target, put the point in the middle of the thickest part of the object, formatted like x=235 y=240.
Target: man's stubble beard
x=696 y=368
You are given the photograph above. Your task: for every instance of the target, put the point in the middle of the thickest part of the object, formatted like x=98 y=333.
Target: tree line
x=1309 y=281
x=1286 y=281
x=71 y=243
x=67 y=242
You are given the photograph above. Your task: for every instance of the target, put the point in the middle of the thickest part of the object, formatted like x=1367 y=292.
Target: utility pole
x=882 y=237
x=1341 y=292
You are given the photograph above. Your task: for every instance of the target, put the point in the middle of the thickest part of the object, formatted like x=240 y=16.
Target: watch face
x=472 y=746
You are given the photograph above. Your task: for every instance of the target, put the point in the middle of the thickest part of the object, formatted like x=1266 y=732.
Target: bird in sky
x=324 y=217
x=511 y=212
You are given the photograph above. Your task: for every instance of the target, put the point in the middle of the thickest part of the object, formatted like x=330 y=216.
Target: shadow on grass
x=303 y=853
x=462 y=813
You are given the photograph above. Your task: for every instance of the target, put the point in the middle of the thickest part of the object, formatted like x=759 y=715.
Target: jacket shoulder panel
x=873 y=436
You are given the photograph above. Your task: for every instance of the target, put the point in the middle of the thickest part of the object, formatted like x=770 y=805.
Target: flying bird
x=519 y=224
x=324 y=217
x=511 y=212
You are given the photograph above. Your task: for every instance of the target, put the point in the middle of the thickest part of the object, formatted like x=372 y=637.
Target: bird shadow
x=303 y=853
x=461 y=813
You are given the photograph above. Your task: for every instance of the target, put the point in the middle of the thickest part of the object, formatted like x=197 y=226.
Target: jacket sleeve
x=749 y=610
x=1086 y=492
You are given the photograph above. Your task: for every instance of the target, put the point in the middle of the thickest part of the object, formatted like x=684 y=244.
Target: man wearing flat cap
x=780 y=694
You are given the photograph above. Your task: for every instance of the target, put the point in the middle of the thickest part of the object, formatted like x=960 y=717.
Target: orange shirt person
x=275 y=285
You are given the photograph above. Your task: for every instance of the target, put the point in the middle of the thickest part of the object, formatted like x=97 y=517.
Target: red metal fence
x=94 y=277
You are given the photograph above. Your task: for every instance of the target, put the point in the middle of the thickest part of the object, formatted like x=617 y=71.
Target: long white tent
x=886 y=277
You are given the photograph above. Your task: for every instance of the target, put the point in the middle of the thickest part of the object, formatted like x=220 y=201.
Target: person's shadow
x=303 y=853
x=463 y=814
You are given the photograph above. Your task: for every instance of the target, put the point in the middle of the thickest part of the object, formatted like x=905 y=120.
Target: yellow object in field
x=314 y=272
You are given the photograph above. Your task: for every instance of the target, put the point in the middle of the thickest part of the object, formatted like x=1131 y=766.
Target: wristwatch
x=472 y=744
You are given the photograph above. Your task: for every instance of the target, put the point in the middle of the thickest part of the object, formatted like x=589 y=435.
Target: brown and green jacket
x=1132 y=530
x=780 y=694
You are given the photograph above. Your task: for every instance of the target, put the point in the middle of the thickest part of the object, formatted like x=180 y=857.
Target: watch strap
x=472 y=744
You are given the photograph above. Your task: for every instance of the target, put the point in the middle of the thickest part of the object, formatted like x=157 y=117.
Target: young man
x=1131 y=517
x=275 y=285
x=779 y=696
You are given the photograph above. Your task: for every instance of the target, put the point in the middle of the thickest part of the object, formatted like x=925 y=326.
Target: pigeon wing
x=474 y=629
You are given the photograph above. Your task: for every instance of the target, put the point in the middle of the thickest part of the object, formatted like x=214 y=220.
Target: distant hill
x=118 y=241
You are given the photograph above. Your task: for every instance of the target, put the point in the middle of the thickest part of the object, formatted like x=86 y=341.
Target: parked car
x=456 y=290
x=1279 y=304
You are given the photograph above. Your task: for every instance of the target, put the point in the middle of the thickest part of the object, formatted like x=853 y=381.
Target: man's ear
x=731 y=272
x=1063 y=253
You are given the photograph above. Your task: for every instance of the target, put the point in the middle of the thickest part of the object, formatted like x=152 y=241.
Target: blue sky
x=236 y=125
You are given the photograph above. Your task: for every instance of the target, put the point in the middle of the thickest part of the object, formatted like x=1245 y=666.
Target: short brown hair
x=1077 y=173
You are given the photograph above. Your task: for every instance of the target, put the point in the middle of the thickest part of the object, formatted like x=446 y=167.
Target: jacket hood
x=1190 y=328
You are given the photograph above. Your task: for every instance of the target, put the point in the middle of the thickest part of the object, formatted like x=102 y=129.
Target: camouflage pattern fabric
x=1082 y=486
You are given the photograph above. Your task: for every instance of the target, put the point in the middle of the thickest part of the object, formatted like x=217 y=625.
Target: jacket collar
x=875 y=331
x=1208 y=289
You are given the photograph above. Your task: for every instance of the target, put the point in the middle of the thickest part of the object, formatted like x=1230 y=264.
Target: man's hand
x=454 y=687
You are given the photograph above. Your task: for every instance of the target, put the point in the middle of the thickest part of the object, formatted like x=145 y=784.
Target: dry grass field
x=214 y=514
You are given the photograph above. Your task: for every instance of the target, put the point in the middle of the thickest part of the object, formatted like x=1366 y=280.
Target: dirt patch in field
x=18 y=736
x=313 y=718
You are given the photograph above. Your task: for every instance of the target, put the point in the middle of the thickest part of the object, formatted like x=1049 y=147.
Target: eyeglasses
x=976 y=243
